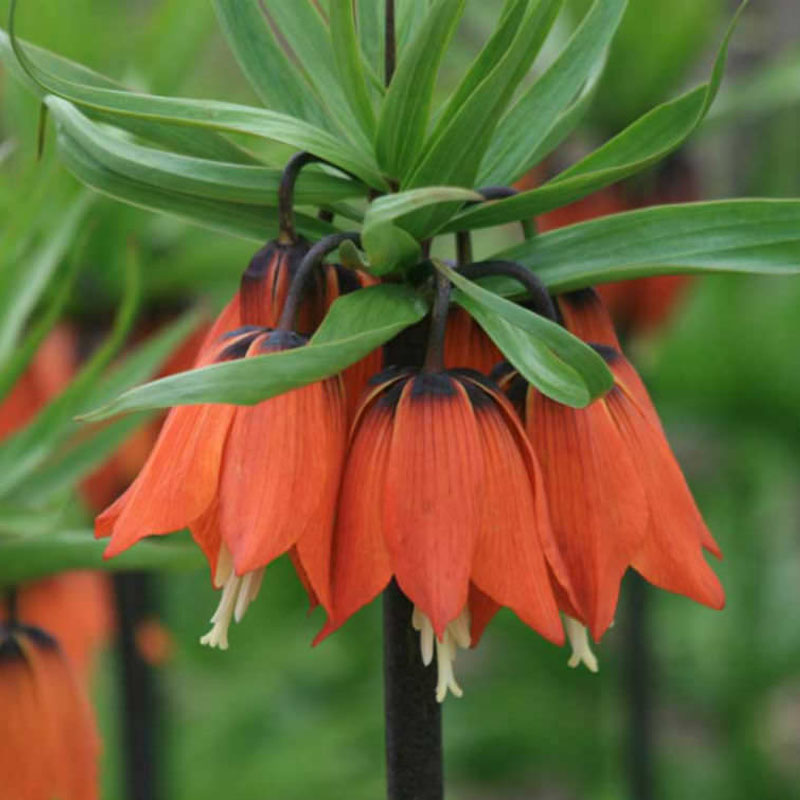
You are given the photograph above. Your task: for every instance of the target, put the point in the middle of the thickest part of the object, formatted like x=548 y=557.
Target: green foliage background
x=274 y=718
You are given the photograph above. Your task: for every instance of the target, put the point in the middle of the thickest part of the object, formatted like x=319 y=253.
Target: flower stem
x=540 y=300
x=390 y=54
x=141 y=699
x=638 y=675
x=413 y=717
x=287 y=232
x=434 y=356
x=12 y=606
x=312 y=260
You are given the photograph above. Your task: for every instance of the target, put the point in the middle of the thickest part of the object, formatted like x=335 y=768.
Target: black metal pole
x=140 y=696
x=639 y=689
x=413 y=717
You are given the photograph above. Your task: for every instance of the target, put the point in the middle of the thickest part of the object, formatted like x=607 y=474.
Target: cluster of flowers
x=461 y=482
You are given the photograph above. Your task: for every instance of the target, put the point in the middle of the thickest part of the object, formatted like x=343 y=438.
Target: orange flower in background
x=211 y=471
x=442 y=492
x=49 y=742
x=75 y=608
x=617 y=496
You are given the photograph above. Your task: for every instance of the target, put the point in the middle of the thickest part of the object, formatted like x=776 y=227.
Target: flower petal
x=597 y=505
x=509 y=563
x=179 y=480
x=433 y=485
x=361 y=567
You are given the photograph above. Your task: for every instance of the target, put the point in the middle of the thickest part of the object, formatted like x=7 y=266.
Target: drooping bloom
x=75 y=607
x=442 y=491
x=616 y=494
x=48 y=742
x=250 y=482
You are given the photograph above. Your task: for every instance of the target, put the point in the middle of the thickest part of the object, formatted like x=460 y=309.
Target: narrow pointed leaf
x=753 y=236
x=555 y=361
x=389 y=248
x=356 y=324
x=25 y=558
x=347 y=53
x=533 y=116
x=25 y=450
x=23 y=284
x=217 y=180
x=278 y=82
x=245 y=220
x=209 y=115
x=197 y=142
x=406 y=108
x=488 y=58
x=395 y=206
x=301 y=24
x=642 y=144
x=454 y=157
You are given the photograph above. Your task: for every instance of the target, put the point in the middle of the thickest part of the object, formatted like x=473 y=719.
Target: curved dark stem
x=288 y=234
x=12 y=606
x=141 y=699
x=434 y=356
x=390 y=54
x=312 y=260
x=496 y=192
x=638 y=670
x=540 y=300
x=463 y=248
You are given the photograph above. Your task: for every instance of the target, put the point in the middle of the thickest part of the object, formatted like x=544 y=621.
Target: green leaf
x=455 y=156
x=16 y=364
x=63 y=472
x=196 y=142
x=356 y=324
x=755 y=236
x=275 y=79
x=258 y=223
x=641 y=145
x=213 y=179
x=488 y=58
x=25 y=283
x=301 y=25
x=534 y=115
x=87 y=449
x=400 y=204
x=25 y=450
x=24 y=558
x=210 y=115
x=389 y=248
x=347 y=53
x=547 y=355
x=371 y=22
x=406 y=109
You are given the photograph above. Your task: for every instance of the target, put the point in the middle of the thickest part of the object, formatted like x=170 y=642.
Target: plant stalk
x=390 y=50
x=141 y=698
x=413 y=717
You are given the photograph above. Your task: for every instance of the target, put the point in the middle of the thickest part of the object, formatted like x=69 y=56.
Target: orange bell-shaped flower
x=48 y=742
x=616 y=494
x=250 y=482
x=442 y=491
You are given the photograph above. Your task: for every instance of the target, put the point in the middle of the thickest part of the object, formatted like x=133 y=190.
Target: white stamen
x=579 y=642
x=456 y=635
x=237 y=594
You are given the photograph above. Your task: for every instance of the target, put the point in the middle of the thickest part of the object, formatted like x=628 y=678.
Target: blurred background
x=688 y=702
